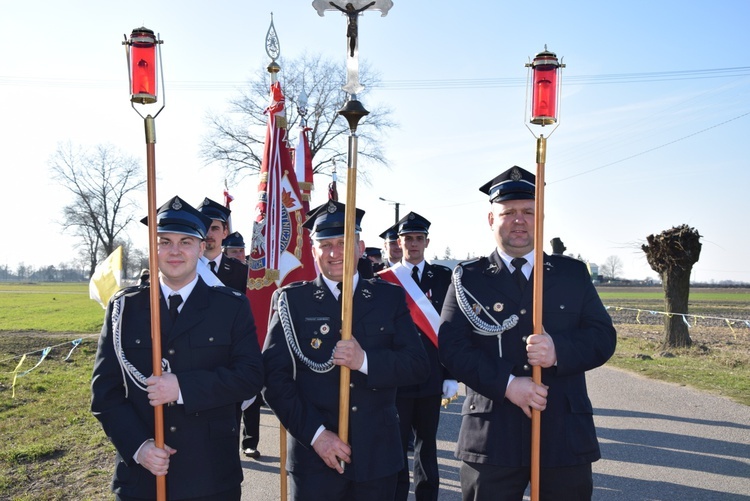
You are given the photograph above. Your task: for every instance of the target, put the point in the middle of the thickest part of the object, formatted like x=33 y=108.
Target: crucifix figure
x=351 y=27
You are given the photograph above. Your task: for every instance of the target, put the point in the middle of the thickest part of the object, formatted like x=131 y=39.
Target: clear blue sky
x=648 y=139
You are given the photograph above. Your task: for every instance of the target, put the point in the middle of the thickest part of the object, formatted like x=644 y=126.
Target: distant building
x=593 y=271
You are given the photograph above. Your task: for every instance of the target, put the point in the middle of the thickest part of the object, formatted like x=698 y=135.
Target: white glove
x=450 y=388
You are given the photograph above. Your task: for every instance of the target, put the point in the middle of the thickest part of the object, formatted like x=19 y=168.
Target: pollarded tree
x=236 y=138
x=672 y=254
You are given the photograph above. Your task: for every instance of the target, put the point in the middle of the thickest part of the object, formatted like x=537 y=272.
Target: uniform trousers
x=486 y=482
x=329 y=485
x=251 y=424
x=422 y=415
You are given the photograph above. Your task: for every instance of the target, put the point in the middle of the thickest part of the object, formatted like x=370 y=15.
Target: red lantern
x=545 y=68
x=142 y=57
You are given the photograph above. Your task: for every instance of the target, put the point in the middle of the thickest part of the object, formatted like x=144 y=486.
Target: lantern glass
x=544 y=92
x=143 y=66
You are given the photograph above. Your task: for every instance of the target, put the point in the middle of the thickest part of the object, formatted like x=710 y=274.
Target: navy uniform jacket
x=303 y=400
x=434 y=283
x=233 y=273
x=213 y=351
x=494 y=430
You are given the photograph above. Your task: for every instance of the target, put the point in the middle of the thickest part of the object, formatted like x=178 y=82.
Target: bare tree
x=101 y=181
x=236 y=138
x=672 y=253
x=612 y=267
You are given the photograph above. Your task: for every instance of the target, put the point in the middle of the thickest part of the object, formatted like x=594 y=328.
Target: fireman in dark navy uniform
x=230 y=271
x=486 y=341
x=211 y=362
x=302 y=355
x=419 y=405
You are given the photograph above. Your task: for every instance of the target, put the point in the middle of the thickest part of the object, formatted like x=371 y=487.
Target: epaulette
x=128 y=291
x=567 y=257
x=295 y=284
x=227 y=290
x=442 y=268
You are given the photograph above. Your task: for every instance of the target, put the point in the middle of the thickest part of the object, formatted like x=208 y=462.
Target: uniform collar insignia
x=429 y=274
x=493 y=269
x=319 y=294
x=366 y=293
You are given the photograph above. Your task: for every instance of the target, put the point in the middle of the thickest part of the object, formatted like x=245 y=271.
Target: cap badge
x=411 y=217
x=324 y=329
x=176 y=205
x=331 y=208
x=515 y=174
x=315 y=343
x=498 y=307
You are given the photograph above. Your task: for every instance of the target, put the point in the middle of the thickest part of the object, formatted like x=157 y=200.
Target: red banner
x=280 y=250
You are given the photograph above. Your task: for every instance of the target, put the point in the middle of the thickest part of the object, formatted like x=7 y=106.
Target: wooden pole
x=282 y=463
x=153 y=264
x=536 y=374
x=347 y=293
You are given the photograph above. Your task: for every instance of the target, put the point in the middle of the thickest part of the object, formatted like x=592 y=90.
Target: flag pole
x=353 y=111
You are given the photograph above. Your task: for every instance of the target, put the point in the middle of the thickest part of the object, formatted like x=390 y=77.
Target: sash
x=423 y=313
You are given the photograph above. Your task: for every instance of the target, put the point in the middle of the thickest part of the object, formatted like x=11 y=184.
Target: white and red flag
x=422 y=311
x=303 y=166
x=280 y=250
x=227 y=201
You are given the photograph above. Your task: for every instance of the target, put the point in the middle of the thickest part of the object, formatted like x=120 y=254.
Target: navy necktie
x=175 y=300
x=518 y=263
x=212 y=264
x=338 y=286
x=415 y=274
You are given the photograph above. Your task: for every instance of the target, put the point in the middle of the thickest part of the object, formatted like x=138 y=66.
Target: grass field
x=52 y=446
x=48 y=307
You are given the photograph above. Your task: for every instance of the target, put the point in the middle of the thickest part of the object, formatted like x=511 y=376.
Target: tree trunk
x=672 y=254
x=676 y=283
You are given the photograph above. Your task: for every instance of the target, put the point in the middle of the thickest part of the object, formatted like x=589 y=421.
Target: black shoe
x=252 y=453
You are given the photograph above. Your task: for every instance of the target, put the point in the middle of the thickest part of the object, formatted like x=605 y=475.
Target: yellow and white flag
x=107 y=278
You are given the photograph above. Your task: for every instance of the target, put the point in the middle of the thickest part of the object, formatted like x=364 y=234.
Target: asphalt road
x=659 y=441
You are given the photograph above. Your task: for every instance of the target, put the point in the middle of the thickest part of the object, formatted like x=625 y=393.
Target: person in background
x=234 y=247
x=419 y=405
x=231 y=272
x=375 y=257
x=391 y=250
